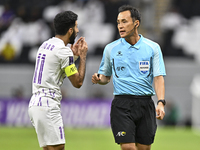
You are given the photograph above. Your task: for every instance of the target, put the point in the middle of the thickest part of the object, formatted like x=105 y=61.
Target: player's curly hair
x=135 y=14
x=63 y=21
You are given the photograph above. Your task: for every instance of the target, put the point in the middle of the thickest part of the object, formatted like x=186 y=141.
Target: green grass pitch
x=13 y=138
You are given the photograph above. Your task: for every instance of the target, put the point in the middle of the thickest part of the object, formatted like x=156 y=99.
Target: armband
x=71 y=70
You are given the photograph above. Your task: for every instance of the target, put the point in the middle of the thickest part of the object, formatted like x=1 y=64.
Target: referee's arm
x=160 y=92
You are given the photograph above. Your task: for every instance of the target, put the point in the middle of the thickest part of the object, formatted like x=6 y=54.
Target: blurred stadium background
x=24 y=24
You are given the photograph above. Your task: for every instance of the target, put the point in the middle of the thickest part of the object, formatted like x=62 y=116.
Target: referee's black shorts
x=133 y=119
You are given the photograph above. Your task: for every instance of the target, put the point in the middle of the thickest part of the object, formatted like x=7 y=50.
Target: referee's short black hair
x=135 y=14
x=63 y=21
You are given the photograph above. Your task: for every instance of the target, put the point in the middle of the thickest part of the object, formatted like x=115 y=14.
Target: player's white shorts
x=47 y=121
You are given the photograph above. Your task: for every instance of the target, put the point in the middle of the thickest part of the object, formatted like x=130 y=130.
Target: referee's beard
x=72 y=37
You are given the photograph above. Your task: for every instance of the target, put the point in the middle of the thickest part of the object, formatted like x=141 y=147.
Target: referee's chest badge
x=144 y=66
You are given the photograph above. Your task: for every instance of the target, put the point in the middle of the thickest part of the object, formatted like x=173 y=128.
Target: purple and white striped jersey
x=51 y=60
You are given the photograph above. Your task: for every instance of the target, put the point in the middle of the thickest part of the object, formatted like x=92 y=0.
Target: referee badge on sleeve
x=144 y=66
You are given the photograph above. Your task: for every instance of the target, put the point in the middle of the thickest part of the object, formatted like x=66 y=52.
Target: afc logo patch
x=144 y=66
x=121 y=133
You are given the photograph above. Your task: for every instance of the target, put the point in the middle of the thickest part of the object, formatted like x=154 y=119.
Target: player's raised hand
x=75 y=47
x=82 y=48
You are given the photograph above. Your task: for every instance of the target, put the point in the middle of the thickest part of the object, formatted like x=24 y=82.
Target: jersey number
x=39 y=68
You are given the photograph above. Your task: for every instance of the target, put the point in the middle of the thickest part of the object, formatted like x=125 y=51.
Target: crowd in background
x=24 y=25
x=181 y=29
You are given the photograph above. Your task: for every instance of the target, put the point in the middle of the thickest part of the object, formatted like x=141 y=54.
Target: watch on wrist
x=163 y=101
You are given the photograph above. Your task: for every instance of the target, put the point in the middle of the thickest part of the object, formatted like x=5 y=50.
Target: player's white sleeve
x=66 y=57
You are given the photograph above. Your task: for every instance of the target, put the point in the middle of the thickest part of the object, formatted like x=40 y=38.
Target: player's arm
x=160 y=92
x=100 y=79
x=77 y=77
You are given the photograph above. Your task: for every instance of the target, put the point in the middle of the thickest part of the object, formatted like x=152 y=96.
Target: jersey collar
x=136 y=46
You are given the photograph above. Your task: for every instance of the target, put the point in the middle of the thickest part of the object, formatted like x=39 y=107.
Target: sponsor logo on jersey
x=144 y=66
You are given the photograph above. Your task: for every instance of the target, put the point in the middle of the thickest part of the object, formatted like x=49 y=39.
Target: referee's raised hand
x=100 y=79
x=95 y=78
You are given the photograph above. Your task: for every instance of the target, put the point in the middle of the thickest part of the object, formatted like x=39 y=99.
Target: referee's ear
x=136 y=23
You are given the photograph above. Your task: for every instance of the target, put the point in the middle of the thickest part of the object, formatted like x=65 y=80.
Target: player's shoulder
x=57 y=42
x=52 y=44
x=64 y=52
x=57 y=47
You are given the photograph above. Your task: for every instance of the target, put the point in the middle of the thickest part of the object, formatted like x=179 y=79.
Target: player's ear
x=70 y=31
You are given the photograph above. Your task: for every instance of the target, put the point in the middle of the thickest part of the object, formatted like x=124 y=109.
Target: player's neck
x=63 y=38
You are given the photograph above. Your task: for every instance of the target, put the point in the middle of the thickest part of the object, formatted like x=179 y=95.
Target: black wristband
x=163 y=101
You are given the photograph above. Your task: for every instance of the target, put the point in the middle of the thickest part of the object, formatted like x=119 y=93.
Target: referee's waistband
x=133 y=96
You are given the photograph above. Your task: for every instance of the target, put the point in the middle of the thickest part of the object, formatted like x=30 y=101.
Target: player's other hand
x=95 y=78
x=160 y=111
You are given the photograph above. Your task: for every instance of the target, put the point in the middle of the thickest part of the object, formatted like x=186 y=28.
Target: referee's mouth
x=122 y=32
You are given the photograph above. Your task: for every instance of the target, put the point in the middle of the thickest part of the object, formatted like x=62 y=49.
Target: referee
x=134 y=62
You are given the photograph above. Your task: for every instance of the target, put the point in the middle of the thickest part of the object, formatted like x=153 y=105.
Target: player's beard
x=72 y=37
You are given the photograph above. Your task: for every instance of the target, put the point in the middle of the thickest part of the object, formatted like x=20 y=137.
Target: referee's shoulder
x=114 y=43
x=150 y=42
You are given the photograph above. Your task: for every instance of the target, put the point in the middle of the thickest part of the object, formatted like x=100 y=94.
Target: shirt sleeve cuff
x=75 y=57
